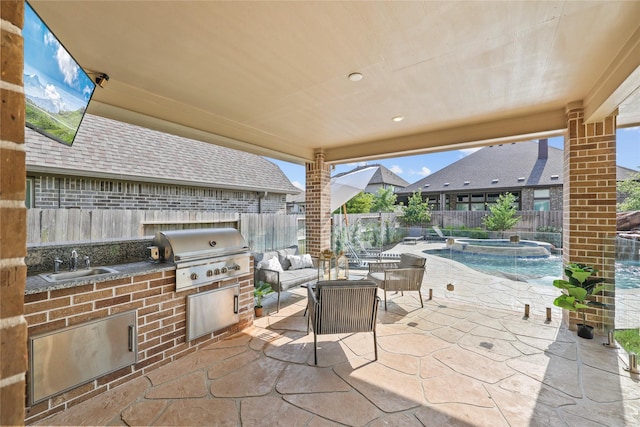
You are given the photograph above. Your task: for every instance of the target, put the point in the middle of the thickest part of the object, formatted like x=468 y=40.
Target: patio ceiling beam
x=530 y=126
x=619 y=81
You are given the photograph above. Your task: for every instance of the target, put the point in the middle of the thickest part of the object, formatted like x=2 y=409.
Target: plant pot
x=585 y=331
x=258 y=311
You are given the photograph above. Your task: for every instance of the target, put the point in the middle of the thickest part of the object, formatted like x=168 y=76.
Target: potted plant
x=576 y=292
x=263 y=289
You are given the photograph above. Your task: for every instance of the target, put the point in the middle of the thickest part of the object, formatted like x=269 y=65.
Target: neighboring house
x=114 y=165
x=382 y=178
x=531 y=170
x=296 y=203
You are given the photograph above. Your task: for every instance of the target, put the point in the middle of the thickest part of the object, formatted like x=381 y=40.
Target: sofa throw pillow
x=274 y=264
x=264 y=258
x=307 y=261
x=284 y=253
x=296 y=262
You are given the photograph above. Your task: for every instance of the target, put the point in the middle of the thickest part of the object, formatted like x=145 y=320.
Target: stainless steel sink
x=78 y=274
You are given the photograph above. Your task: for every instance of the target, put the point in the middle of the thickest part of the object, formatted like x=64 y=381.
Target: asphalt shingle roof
x=382 y=175
x=507 y=166
x=501 y=166
x=110 y=149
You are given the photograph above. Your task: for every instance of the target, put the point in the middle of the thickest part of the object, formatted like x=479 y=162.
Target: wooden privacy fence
x=529 y=220
x=262 y=231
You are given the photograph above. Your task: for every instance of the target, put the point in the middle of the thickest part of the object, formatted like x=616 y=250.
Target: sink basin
x=78 y=274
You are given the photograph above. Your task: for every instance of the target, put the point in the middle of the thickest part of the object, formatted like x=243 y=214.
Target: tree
x=417 y=211
x=502 y=214
x=384 y=200
x=360 y=204
x=630 y=189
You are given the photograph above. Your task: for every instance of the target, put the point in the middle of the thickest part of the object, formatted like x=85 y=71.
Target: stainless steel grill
x=204 y=255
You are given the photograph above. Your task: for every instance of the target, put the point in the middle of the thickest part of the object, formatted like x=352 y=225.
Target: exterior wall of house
x=555 y=198
x=52 y=192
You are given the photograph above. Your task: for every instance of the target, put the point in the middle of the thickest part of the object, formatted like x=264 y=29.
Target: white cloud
x=633 y=129
x=396 y=169
x=424 y=171
x=298 y=185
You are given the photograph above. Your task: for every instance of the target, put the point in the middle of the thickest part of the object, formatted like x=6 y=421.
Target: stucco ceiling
x=271 y=77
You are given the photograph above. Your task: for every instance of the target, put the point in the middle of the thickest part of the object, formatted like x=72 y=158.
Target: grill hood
x=196 y=244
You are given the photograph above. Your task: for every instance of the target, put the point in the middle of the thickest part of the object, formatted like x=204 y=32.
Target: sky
x=414 y=168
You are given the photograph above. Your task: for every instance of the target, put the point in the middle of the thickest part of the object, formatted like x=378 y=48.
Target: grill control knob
x=194 y=276
x=223 y=270
x=216 y=271
x=209 y=273
x=236 y=267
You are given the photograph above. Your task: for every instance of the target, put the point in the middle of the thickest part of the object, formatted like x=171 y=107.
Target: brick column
x=13 y=214
x=318 y=204
x=589 y=218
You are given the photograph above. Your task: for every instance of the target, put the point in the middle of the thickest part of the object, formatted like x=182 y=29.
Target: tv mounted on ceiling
x=57 y=89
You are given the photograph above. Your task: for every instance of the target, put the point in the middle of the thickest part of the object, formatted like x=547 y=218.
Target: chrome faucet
x=73 y=261
x=56 y=265
x=87 y=262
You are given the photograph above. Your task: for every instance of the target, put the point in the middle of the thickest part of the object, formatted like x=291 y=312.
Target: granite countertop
x=36 y=284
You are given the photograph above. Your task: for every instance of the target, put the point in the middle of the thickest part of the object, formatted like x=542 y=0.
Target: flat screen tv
x=57 y=89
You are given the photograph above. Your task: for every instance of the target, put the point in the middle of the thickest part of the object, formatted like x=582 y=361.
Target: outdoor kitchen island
x=79 y=317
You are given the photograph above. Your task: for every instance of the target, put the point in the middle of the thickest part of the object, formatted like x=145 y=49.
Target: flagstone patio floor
x=468 y=358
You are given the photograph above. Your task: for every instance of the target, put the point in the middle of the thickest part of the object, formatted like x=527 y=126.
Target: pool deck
x=468 y=358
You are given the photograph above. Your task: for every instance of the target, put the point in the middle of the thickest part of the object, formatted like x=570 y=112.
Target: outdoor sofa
x=285 y=269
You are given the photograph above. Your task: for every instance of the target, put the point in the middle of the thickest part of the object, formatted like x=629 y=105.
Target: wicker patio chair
x=342 y=307
x=405 y=275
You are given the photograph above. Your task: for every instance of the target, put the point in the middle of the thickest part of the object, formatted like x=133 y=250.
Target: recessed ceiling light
x=398 y=118
x=355 y=77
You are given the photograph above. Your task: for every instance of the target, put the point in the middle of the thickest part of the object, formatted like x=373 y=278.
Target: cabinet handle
x=235 y=304
x=131 y=330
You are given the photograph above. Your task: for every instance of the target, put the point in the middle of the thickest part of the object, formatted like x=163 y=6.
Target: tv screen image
x=57 y=89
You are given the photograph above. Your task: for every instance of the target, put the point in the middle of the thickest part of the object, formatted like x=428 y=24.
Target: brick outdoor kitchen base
x=161 y=317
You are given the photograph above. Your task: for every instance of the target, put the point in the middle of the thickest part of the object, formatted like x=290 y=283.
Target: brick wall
x=161 y=325
x=13 y=244
x=589 y=215
x=318 y=204
x=67 y=192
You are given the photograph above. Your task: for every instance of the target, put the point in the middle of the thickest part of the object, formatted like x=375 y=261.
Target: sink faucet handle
x=56 y=265
x=87 y=261
x=73 y=261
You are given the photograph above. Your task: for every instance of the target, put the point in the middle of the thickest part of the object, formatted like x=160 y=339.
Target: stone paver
x=468 y=358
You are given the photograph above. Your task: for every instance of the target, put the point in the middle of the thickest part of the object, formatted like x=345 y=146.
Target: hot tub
x=502 y=247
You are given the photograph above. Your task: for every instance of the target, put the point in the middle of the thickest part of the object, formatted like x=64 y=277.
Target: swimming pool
x=540 y=271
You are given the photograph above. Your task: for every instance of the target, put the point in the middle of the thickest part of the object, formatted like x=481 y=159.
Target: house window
x=541 y=199
x=477 y=202
x=29 y=199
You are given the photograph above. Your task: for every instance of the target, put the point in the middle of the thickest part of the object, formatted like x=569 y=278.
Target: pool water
x=539 y=271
